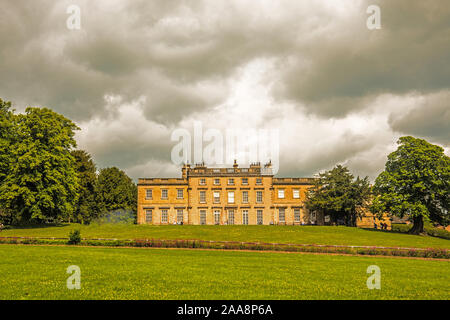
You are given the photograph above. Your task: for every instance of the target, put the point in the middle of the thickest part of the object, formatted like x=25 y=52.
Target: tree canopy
x=415 y=183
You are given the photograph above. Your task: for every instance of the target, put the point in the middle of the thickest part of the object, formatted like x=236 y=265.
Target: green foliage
x=415 y=183
x=86 y=208
x=40 y=182
x=116 y=191
x=74 y=237
x=339 y=195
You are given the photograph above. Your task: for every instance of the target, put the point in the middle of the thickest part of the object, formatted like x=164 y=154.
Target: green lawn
x=39 y=272
x=280 y=234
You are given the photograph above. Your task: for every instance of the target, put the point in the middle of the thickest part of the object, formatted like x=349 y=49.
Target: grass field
x=279 y=234
x=39 y=272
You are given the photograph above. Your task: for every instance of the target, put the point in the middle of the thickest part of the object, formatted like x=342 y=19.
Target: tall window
x=230 y=216
x=281 y=215
x=280 y=193
x=148 y=194
x=202 y=216
x=245 y=217
x=179 y=215
x=217 y=216
x=164 y=193
x=164 y=215
x=297 y=215
x=296 y=194
x=148 y=215
x=202 y=196
x=216 y=196
x=202 y=181
x=245 y=181
x=259 y=196
x=180 y=193
x=259 y=216
x=230 y=196
x=216 y=181
x=245 y=196
x=231 y=181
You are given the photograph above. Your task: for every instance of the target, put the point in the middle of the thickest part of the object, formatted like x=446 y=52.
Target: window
x=259 y=216
x=202 y=216
x=245 y=217
x=216 y=197
x=258 y=181
x=280 y=193
x=245 y=181
x=281 y=215
x=245 y=196
x=164 y=193
x=217 y=182
x=259 y=196
x=180 y=193
x=202 y=181
x=202 y=196
x=217 y=216
x=231 y=197
x=148 y=194
x=164 y=215
x=231 y=181
x=296 y=194
x=297 y=215
x=230 y=170
x=180 y=215
x=148 y=216
x=230 y=216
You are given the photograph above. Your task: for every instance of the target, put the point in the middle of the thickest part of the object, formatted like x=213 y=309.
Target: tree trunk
x=417 y=227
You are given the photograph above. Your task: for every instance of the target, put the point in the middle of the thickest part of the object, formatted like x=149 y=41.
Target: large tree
x=116 y=191
x=415 y=183
x=40 y=182
x=86 y=208
x=338 y=194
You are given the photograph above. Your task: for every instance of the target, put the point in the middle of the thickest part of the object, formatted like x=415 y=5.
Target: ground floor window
x=164 y=215
x=281 y=215
x=148 y=216
x=180 y=215
x=230 y=216
x=259 y=216
x=297 y=215
x=245 y=217
x=217 y=216
x=202 y=216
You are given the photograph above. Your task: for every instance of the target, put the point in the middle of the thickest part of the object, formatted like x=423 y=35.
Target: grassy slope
x=33 y=272
x=281 y=234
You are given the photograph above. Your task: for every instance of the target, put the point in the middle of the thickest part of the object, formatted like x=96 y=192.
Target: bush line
x=203 y=244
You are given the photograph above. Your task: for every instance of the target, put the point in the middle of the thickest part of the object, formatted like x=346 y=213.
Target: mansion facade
x=225 y=196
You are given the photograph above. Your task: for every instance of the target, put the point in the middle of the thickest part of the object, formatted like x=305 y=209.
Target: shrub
x=74 y=237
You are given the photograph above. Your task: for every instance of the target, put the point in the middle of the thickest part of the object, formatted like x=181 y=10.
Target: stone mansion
x=224 y=196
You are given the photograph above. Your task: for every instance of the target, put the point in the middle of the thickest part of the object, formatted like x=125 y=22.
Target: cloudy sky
x=138 y=70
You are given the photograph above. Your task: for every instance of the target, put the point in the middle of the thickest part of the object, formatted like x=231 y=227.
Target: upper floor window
x=180 y=193
x=281 y=193
x=296 y=193
x=259 y=196
x=202 y=181
x=245 y=196
x=258 y=181
x=216 y=196
x=202 y=196
x=148 y=194
x=217 y=182
x=231 y=181
x=231 y=197
x=245 y=181
x=164 y=193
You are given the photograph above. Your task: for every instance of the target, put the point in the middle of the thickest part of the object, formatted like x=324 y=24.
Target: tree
x=86 y=208
x=415 y=183
x=338 y=194
x=116 y=191
x=40 y=183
